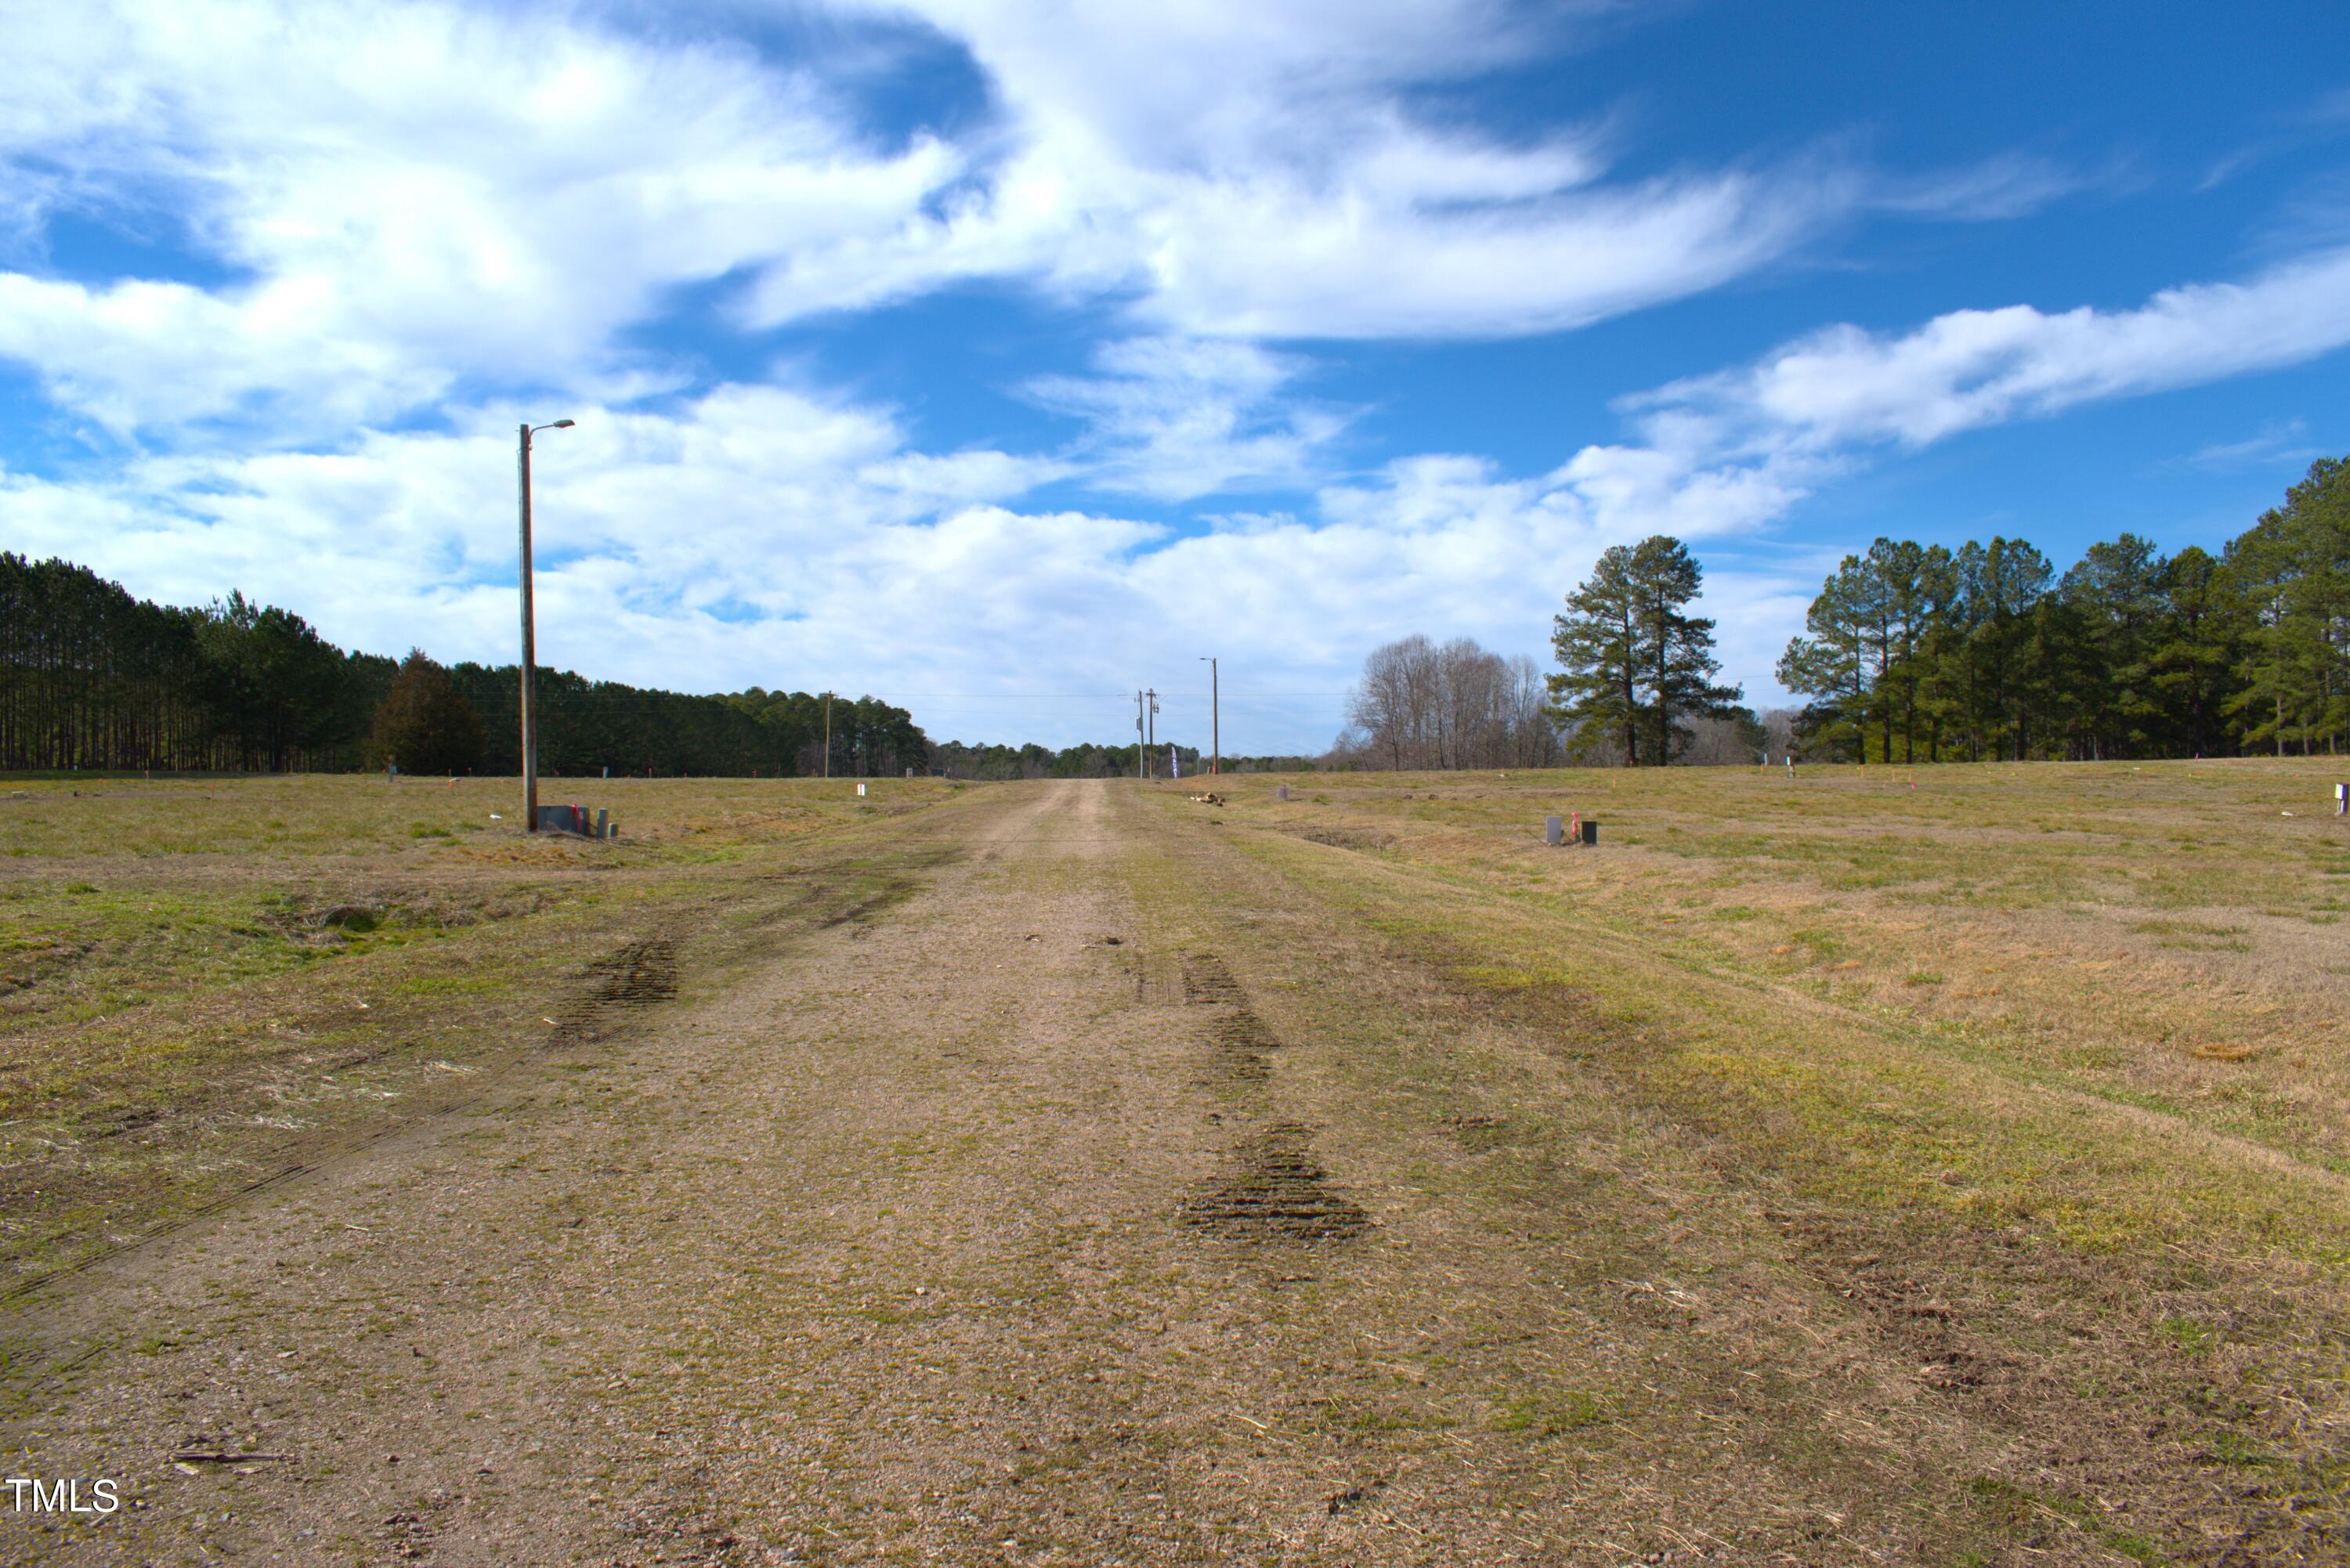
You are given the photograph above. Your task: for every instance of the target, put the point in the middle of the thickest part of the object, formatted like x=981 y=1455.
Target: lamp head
x=560 y=425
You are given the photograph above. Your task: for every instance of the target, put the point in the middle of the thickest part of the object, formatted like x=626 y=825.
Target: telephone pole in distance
x=1215 y=732
x=529 y=651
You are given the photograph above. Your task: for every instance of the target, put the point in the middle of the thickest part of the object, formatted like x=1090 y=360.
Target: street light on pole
x=529 y=727
x=1215 y=733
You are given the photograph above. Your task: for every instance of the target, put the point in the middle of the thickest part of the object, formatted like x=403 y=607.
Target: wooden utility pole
x=1150 y=753
x=529 y=731
x=529 y=652
x=1215 y=731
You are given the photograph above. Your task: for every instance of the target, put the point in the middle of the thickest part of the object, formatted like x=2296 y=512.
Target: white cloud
x=2285 y=442
x=1250 y=171
x=427 y=201
x=428 y=214
x=859 y=559
x=1844 y=387
x=409 y=198
x=1175 y=419
x=760 y=536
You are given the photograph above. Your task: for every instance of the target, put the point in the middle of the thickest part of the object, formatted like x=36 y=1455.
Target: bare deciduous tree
x=1457 y=705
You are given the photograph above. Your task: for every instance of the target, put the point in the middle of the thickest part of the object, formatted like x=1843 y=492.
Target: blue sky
x=999 y=360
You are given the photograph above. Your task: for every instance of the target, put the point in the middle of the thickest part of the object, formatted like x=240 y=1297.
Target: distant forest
x=1920 y=653
x=93 y=678
x=1113 y=761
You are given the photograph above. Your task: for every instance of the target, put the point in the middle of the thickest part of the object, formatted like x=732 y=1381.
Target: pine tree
x=1678 y=655
x=1635 y=668
x=2197 y=643
x=1830 y=666
x=1597 y=643
x=2116 y=591
x=2291 y=569
x=423 y=724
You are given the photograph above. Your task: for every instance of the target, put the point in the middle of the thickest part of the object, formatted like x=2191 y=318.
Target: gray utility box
x=574 y=819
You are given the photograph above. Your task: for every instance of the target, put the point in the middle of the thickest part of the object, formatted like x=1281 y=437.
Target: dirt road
x=1104 y=1202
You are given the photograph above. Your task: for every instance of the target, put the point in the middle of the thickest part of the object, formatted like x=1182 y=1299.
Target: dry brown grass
x=2158 y=934
x=206 y=982
x=2040 y=1065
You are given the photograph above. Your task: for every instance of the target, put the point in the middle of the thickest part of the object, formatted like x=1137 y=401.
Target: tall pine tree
x=1636 y=667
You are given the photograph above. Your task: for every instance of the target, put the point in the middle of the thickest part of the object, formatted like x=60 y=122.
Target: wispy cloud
x=1846 y=387
x=2287 y=443
x=1179 y=417
x=2007 y=186
x=2319 y=121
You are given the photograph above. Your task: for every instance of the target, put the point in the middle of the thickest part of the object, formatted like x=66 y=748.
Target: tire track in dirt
x=1269 y=1186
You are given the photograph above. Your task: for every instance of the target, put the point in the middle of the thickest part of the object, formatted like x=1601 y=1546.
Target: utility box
x=1554 y=830
x=1590 y=832
x=571 y=819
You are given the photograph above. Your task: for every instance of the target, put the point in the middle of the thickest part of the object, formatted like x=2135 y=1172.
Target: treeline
x=958 y=760
x=1919 y=652
x=1421 y=704
x=1087 y=761
x=998 y=761
x=587 y=726
x=93 y=678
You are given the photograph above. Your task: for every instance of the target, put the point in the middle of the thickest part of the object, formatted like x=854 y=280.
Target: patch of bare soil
x=1272 y=1186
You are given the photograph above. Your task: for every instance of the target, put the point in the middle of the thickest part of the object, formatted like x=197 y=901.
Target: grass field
x=1946 y=1166
x=2166 y=937
x=203 y=982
